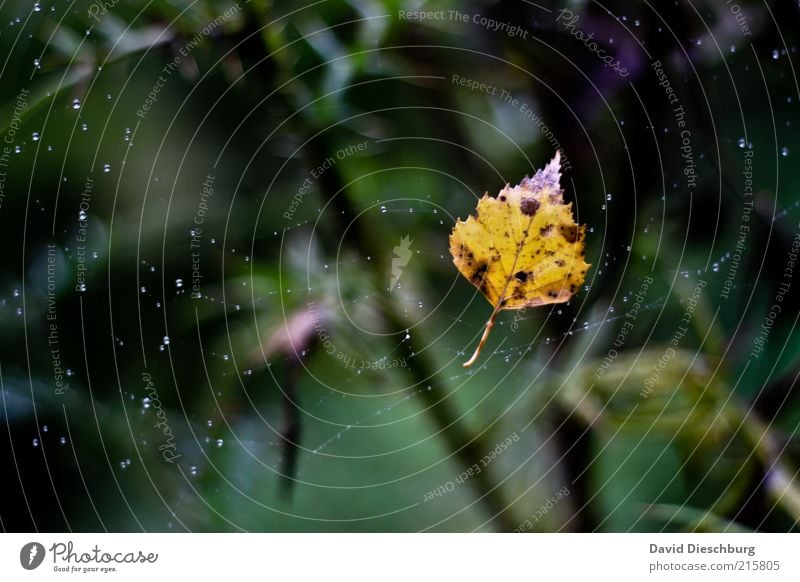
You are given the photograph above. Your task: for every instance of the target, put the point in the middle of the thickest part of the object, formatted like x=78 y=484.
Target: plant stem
x=779 y=480
x=484 y=337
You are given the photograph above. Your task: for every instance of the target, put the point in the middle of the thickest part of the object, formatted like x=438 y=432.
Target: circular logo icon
x=31 y=555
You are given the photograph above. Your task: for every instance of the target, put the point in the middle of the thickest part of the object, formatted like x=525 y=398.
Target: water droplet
x=76 y=104
x=741 y=142
x=146 y=403
x=775 y=54
x=179 y=283
x=715 y=267
x=37 y=7
x=220 y=442
x=82 y=215
x=784 y=151
x=84 y=126
x=63 y=440
x=106 y=168
x=166 y=340
x=35 y=442
x=193 y=471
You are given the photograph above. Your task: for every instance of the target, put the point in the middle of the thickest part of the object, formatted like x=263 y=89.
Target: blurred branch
x=693 y=520
x=469 y=449
x=779 y=480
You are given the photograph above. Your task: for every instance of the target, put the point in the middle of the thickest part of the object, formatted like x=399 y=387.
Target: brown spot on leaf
x=521 y=276
x=545 y=230
x=570 y=233
x=529 y=206
x=478 y=275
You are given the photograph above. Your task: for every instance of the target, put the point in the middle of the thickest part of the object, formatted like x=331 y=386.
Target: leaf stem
x=484 y=337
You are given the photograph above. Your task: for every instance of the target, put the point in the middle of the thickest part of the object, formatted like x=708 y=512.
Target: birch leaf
x=522 y=248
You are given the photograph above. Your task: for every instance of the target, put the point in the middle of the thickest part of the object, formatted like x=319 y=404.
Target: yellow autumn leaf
x=522 y=248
